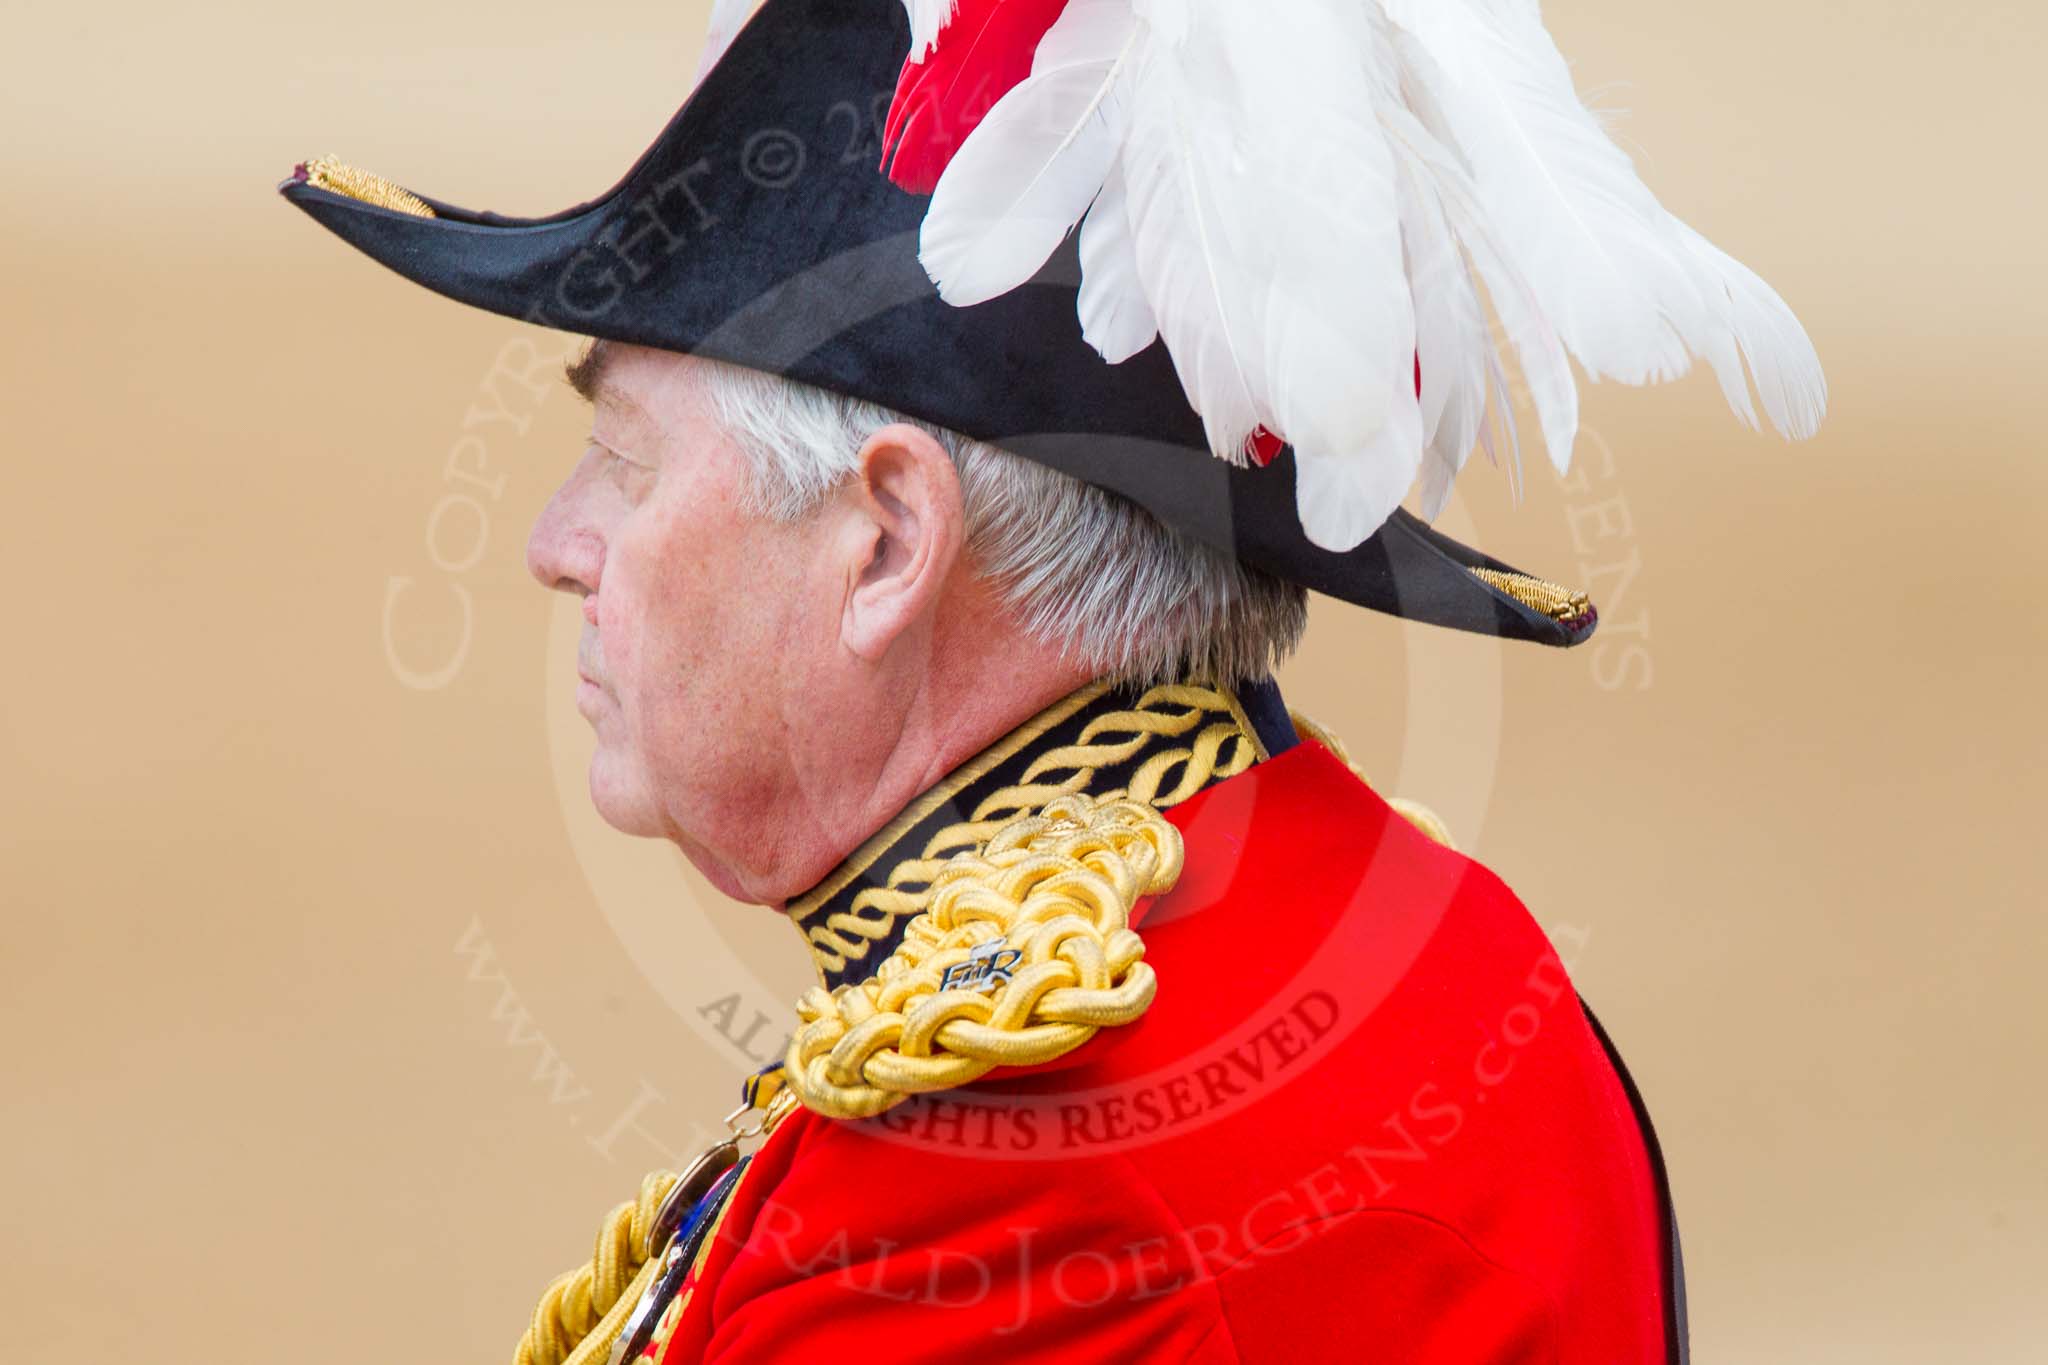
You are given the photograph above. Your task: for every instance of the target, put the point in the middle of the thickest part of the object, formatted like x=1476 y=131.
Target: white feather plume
x=928 y=19
x=1450 y=380
x=1032 y=167
x=1588 y=235
x=1259 y=183
x=1338 y=494
x=1304 y=201
x=1753 y=325
x=1116 y=317
x=1634 y=293
x=1450 y=343
x=1546 y=368
x=1450 y=323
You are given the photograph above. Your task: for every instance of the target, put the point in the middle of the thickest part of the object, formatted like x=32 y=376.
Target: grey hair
x=1093 y=573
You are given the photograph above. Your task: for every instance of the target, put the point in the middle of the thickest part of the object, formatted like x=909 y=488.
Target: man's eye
x=622 y=470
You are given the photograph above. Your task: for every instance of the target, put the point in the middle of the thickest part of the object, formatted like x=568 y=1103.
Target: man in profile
x=918 y=606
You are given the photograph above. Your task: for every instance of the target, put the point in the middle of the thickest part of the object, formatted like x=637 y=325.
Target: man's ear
x=912 y=532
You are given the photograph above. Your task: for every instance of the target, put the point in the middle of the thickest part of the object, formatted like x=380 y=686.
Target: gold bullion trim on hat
x=338 y=177
x=1554 y=600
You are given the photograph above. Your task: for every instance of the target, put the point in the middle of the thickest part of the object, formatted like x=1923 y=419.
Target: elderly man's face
x=698 y=615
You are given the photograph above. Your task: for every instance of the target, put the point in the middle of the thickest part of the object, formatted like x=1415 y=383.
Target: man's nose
x=565 y=552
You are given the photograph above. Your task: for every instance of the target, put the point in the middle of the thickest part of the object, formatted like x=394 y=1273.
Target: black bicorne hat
x=758 y=230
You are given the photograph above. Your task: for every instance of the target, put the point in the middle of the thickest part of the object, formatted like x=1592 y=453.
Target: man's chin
x=627 y=811
x=621 y=801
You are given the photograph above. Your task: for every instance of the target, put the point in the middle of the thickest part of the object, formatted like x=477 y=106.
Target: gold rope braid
x=1417 y=814
x=581 y=1314
x=1218 y=748
x=1057 y=888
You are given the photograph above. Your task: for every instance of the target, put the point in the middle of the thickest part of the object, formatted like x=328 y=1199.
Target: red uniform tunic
x=1364 y=1119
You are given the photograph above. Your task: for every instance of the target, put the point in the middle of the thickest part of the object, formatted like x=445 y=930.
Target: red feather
x=1262 y=447
x=984 y=51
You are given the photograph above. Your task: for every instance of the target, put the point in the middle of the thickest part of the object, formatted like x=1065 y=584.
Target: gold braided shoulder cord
x=1048 y=900
x=1058 y=889
x=582 y=1315
x=566 y=1323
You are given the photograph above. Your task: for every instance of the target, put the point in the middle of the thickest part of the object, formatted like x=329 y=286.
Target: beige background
x=259 y=1102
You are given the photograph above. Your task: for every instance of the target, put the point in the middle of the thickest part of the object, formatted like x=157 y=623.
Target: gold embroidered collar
x=1159 y=747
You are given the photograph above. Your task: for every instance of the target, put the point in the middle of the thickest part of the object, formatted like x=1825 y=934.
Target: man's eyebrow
x=589 y=374
x=586 y=373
